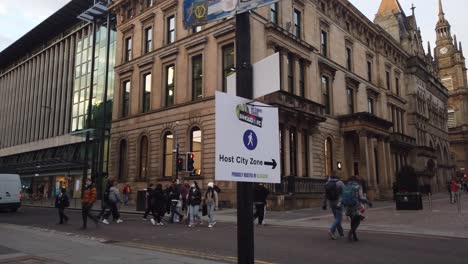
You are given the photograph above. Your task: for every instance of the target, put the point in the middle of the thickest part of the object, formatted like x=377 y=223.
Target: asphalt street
x=274 y=244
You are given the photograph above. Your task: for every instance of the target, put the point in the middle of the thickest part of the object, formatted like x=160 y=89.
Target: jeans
x=338 y=214
x=194 y=211
x=211 y=212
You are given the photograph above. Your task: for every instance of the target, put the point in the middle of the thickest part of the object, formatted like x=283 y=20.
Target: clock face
x=443 y=50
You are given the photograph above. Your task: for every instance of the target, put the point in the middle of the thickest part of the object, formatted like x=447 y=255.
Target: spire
x=429 y=52
x=461 y=49
x=455 y=42
x=389 y=7
x=441 y=11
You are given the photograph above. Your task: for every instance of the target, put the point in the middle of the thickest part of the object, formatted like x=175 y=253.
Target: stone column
x=390 y=165
x=364 y=155
x=372 y=177
x=299 y=154
x=383 y=164
x=284 y=70
x=287 y=159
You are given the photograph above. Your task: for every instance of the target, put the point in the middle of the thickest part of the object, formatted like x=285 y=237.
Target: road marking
x=187 y=253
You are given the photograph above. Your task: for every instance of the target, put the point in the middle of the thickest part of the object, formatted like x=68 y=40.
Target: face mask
x=193 y=185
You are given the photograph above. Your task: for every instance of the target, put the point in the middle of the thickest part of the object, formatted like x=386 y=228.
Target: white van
x=10 y=191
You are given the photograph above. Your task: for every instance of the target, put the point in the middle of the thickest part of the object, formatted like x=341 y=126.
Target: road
x=274 y=244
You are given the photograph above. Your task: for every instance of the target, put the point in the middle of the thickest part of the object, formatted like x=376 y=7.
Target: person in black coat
x=159 y=205
x=194 y=201
x=61 y=202
x=173 y=193
x=260 y=194
x=149 y=201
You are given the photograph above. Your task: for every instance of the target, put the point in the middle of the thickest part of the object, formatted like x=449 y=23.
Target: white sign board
x=247 y=141
x=266 y=77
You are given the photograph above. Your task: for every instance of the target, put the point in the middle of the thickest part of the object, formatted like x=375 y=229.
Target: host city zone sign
x=247 y=140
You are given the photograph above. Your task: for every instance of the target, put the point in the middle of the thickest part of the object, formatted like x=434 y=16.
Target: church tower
x=452 y=72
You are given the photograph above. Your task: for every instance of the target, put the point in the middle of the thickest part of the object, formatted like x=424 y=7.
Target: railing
x=401 y=138
x=297 y=185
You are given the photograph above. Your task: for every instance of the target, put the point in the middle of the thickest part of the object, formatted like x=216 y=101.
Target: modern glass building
x=49 y=87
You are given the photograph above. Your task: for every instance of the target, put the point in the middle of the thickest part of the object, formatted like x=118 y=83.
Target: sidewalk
x=22 y=244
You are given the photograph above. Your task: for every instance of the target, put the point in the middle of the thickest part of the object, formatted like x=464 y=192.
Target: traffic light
x=190 y=162
x=180 y=164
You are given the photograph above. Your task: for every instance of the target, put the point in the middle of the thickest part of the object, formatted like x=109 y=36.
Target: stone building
x=348 y=99
x=452 y=71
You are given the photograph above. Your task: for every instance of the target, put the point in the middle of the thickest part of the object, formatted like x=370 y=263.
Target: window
x=274 y=13
x=369 y=70
x=196 y=148
x=297 y=23
x=148 y=39
x=349 y=59
x=143 y=159
x=387 y=79
x=168 y=158
x=370 y=105
x=128 y=49
x=293 y=151
x=324 y=43
x=451 y=118
x=129 y=13
x=170 y=29
x=228 y=63
x=126 y=98
x=196 y=29
x=302 y=79
x=123 y=160
x=197 y=77
x=170 y=71
x=328 y=151
x=146 y=92
x=326 y=93
x=397 y=86
x=290 y=63
x=350 y=99
x=149 y=3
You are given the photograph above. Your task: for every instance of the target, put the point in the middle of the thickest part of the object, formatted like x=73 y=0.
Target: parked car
x=10 y=192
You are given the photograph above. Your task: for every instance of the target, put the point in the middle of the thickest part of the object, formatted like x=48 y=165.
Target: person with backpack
x=260 y=195
x=105 y=200
x=194 y=201
x=126 y=193
x=211 y=201
x=332 y=198
x=353 y=199
x=158 y=202
x=174 y=199
x=113 y=203
x=62 y=202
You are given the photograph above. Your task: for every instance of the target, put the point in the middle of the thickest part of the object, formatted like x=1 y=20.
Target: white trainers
x=213 y=224
x=161 y=224
x=144 y=219
x=119 y=221
x=153 y=222
x=210 y=226
x=190 y=225
x=105 y=221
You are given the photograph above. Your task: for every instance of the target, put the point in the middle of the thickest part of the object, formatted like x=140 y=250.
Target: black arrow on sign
x=273 y=163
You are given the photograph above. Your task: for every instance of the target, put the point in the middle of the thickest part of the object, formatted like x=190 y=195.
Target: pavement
x=436 y=235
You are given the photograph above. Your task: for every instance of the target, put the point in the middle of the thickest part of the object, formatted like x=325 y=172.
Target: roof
x=389 y=7
x=53 y=26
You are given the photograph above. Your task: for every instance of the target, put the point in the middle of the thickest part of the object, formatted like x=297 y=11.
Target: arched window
x=123 y=160
x=167 y=155
x=328 y=157
x=196 y=148
x=143 y=158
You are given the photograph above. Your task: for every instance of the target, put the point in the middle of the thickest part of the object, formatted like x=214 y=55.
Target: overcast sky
x=17 y=17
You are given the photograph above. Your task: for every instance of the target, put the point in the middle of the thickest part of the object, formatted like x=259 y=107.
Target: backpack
x=217 y=189
x=332 y=192
x=349 y=197
x=66 y=201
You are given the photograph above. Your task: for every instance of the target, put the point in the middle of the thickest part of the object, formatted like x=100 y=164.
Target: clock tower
x=452 y=72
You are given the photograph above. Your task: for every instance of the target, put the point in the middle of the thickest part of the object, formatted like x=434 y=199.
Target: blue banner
x=200 y=12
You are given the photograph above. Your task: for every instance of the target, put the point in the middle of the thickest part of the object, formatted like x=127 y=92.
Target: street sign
x=266 y=77
x=200 y=12
x=247 y=141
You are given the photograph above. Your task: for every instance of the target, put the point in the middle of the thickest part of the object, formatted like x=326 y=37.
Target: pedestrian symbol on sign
x=250 y=140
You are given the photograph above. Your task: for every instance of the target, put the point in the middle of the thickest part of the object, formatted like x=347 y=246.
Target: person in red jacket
x=87 y=201
x=126 y=192
x=454 y=187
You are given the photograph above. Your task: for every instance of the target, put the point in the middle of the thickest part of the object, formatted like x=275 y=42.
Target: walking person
x=194 y=201
x=126 y=193
x=149 y=201
x=175 y=200
x=260 y=195
x=62 y=202
x=105 y=200
x=159 y=205
x=352 y=198
x=454 y=188
x=113 y=202
x=332 y=198
x=211 y=201
x=87 y=201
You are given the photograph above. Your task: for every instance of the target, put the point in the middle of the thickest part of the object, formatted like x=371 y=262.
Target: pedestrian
x=113 y=202
x=185 y=189
x=87 y=201
x=149 y=201
x=62 y=202
x=332 y=198
x=363 y=185
x=260 y=195
x=175 y=200
x=194 y=201
x=159 y=205
x=105 y=200
x=352 y=198
x=211 y=201
x=126 y=193
x=454 y=188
